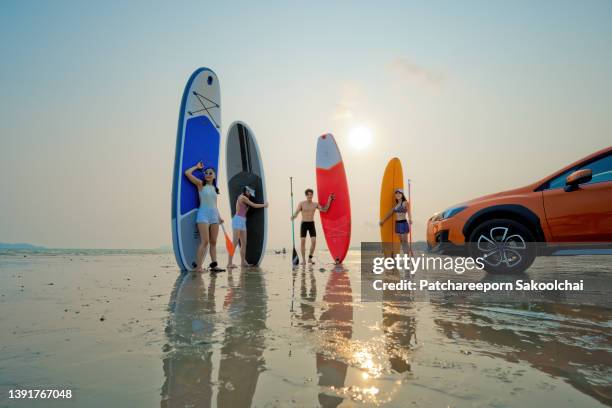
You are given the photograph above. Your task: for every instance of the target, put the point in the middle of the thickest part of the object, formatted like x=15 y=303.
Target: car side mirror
x=576 y=178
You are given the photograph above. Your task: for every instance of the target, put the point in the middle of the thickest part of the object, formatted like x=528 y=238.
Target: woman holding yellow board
x=393 y=202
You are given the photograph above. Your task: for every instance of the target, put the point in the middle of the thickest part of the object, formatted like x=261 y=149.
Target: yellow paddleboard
x=392 y=180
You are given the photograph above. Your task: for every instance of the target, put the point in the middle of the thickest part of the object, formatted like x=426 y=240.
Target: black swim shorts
x=308 y=227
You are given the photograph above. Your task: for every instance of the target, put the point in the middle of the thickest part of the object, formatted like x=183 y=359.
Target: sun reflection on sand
x=365 y=361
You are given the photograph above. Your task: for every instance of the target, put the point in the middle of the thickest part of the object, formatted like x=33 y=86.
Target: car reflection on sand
x=569 y=342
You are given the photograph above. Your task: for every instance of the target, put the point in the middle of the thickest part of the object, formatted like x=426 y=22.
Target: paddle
x=410 y=217
x=229 y=245
x=295 y=260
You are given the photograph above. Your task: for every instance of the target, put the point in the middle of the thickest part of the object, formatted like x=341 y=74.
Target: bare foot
x=310 y=261
x=231 y=266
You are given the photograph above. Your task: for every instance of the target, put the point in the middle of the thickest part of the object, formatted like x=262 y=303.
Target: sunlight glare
x=360 y=137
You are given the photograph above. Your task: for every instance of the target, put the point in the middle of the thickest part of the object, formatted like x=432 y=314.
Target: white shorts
x=239 y=223
x=207 y=216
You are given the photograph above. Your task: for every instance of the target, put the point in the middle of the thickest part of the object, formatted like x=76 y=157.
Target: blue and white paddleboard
x=197 y=139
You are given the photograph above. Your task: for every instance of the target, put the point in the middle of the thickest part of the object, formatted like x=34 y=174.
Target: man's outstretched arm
x=329 y=201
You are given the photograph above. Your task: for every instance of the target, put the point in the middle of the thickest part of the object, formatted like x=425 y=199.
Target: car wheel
x=506 y=246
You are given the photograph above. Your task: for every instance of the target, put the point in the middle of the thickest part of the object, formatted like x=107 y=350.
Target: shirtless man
x=308 y=208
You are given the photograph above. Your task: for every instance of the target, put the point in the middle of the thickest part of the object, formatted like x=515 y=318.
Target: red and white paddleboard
x=331 y=178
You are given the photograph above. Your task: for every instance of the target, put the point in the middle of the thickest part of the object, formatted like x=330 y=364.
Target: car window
x=559 y=181
x=601 y=168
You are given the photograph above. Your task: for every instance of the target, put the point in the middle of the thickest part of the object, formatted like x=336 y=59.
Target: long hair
x=214 y=182
x=397 y=202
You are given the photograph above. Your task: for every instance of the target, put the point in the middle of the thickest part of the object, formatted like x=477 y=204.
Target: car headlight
x=450 y=212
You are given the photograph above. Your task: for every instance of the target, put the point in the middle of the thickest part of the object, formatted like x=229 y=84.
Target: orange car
x=570 y=209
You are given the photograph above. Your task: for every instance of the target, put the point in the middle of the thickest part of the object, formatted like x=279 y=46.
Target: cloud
x=407 y=70
x=342 y=111
x=350 y=98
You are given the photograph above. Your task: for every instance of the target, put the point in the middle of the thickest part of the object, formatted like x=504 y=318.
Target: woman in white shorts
x=208 y=218
x=239 y=223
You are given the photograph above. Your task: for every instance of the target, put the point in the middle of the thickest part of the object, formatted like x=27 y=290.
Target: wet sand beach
x=125 y=328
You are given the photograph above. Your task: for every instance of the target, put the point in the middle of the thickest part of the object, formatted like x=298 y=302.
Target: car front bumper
x=444 y=237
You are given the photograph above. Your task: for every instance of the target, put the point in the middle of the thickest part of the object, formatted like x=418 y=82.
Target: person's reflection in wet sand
x=308 y=296
x=243 y=343
x=399 y=324
x=335 y=321
x=188 y=365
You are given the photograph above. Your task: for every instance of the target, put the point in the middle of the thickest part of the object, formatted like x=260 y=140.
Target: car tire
x=506 y=246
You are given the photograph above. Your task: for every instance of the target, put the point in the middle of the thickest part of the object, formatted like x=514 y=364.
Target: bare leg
x=404 y=242
x=214 y=233
x=235 y=241
x=313 y=245
x=243 y=246
x=204 y=241
x=303 y=249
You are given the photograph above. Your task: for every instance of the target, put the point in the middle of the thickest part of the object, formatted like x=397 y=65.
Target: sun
x=360 y=137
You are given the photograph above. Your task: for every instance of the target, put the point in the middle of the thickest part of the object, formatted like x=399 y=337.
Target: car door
x=585 y=214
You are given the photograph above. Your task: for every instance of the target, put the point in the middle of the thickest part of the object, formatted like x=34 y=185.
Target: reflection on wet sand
x=188 y=365
x=334 y=327
x=399 y=325
x=304 y=339
x=308 y=296
x=244 y=341
x=215 y=347
x=570 y=342
x=336 y=324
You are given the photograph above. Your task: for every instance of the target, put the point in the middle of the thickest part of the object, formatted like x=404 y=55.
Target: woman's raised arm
x=189 y=174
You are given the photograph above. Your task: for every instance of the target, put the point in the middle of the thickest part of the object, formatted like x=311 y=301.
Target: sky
x=474 y=97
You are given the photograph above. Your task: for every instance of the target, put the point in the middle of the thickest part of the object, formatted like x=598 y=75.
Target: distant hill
x=4 y=245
